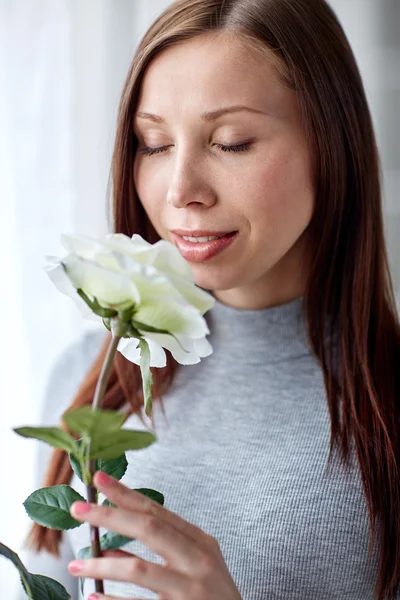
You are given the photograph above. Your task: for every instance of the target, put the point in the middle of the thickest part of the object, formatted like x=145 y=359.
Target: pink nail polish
x=93 y=597
x=75 y=566
x=104 y=479
x=80 y=508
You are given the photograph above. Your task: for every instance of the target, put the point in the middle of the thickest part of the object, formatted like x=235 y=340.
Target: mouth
x=199 y=233
x=201 y=245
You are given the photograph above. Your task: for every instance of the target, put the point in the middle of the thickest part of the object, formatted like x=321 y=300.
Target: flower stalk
x=118 y=329
x=146 y=296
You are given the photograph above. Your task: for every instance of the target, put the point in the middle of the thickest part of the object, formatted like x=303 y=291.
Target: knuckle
x=213 y=542
x=150 y=523
x=152 y=507
x=207 y=565
x=137 y=567
x=199 y=591
x=107 y=512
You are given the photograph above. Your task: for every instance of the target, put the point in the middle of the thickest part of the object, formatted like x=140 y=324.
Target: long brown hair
x=349 y=279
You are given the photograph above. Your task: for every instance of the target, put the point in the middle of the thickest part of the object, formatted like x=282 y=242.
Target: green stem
x=101 y=387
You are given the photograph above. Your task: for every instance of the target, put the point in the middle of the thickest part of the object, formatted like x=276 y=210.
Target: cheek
x=282 y=192
x=149 y=189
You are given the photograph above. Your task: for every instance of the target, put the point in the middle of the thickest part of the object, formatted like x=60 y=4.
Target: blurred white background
x=62 y=66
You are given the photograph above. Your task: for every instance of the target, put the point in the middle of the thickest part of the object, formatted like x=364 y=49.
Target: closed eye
x=146 y=151
x=237 y=148
x=150 y=151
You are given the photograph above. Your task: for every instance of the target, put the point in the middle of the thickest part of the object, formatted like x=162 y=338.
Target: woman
x=279 y=454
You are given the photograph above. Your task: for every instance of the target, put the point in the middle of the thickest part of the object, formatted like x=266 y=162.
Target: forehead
x=208 y=70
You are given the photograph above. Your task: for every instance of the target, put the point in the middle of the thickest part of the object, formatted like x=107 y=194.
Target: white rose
x=152 y=281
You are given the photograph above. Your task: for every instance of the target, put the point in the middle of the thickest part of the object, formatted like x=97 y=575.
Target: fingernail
x=94 y=597
x=104 y=479
x=80 y=508
x=75 y=566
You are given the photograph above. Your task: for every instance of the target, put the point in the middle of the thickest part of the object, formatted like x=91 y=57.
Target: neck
x=258 y=335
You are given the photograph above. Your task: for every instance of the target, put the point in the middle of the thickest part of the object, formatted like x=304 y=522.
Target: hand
x=194 y=568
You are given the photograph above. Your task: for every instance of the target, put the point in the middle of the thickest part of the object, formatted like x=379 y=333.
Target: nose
x=190 y=184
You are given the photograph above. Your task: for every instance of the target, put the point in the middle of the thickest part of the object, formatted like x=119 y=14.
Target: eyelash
x=237 y=148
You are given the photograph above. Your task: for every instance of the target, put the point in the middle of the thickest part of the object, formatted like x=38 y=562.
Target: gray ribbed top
x=242 y=453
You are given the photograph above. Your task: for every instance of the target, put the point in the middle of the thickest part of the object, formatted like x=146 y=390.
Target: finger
x=130 y=499
x=102 y=597
x=116 y=553
x=152 y=576
x=98 y=596
x=156 y=534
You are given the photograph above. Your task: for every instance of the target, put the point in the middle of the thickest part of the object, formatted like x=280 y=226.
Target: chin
x=215 y=282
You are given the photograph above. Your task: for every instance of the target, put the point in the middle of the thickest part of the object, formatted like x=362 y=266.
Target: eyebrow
x=206 y=116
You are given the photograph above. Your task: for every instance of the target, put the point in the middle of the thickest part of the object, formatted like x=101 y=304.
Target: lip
x=198 y=232
x=202 y=251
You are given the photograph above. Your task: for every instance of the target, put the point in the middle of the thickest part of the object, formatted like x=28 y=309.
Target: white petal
x=155 y=287
x=183 y=355
x=162 y=258
x=129 y=246
x=139 y=241
x=93 y=250
x=128 y=348
x=132 y=257
x=111 y=288
x=173 y=316
x=158 y=357
x=198 y=297
x=202 y=347
x=82 y=245
x=167 y=258
x=163 y=255
x=58 y=276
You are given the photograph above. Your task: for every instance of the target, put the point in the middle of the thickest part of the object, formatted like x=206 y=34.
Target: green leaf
x=26 y=577
x=86 y=421
x=84 y=553
x=115 y=443
x=50 y=506
x=108 y=541
x=54 y=436
x=76 y=467
x=45 y=588
x=107 y=502
x=82 y=584
x=79 y=461
x=147 y=377
x=153 y=494
x=37 y=587
x=116 y=467
x=113 y=541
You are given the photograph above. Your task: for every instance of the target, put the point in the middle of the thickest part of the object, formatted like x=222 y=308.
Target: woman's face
x=245 y=171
